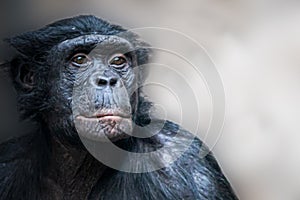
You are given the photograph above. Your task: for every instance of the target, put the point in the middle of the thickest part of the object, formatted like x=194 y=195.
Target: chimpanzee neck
x=72 y=171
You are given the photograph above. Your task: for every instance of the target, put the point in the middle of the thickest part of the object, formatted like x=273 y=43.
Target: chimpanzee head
x=78 y=75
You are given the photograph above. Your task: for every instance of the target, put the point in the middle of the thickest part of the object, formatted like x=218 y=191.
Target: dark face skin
x=97 y=80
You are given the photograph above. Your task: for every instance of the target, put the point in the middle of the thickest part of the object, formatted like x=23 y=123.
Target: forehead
x=105 y=42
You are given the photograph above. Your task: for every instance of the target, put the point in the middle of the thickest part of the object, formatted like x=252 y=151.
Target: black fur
x=25 y=162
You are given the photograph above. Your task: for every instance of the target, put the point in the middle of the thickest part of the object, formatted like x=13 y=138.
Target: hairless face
x=99 y=68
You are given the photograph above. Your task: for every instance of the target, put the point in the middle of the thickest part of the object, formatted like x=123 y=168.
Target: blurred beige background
x=254 y=45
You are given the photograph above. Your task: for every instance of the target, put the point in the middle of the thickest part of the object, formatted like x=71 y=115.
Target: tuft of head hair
x=35 y=42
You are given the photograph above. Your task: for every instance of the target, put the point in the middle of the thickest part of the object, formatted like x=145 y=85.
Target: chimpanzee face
x=94 y=85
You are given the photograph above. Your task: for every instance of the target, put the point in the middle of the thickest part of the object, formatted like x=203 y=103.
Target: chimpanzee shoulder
x=194 y=175
x=21 y=162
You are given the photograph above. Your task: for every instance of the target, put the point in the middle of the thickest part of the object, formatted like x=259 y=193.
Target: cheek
x=81 y=102
x=129 y=80
x=60 y=92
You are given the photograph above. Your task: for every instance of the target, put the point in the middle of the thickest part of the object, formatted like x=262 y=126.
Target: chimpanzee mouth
x=105 y=116
x=99 y=126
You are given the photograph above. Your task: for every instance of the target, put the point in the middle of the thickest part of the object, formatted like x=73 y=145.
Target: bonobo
x=78 y=81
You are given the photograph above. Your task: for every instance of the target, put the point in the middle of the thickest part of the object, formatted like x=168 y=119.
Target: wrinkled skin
x=77 y=79
x=102 y=95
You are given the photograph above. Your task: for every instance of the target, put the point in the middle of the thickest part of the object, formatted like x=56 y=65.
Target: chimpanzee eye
x=80 y=59
x=118 y=61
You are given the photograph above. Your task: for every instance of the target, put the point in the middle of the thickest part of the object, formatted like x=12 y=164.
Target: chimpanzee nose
x=102 y=81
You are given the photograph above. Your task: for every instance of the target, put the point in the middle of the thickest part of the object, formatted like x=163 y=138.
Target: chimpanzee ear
x=21 y=69
x=22 y=74
x=26 y=77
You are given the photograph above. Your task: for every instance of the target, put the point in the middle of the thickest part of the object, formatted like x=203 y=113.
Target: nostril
x=101 y=82
x=113 y=82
